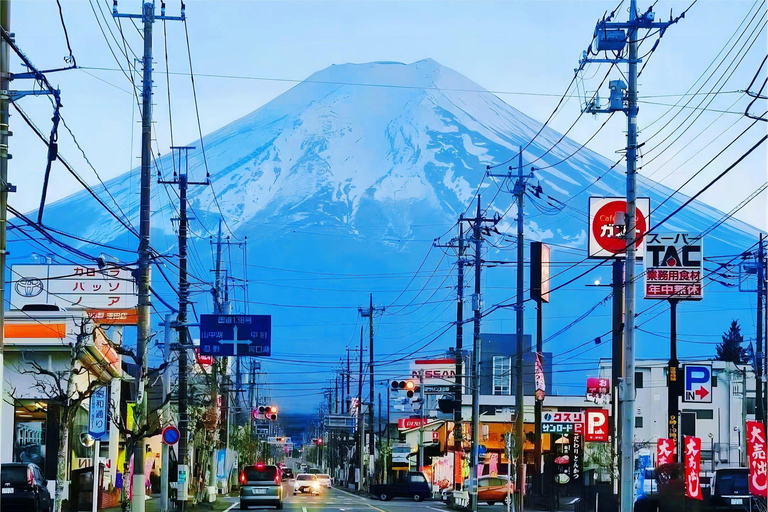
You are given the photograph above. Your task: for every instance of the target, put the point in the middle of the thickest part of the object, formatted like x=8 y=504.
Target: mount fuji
x=340 y=186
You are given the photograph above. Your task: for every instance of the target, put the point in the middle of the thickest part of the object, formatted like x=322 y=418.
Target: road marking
x=303 y=509
x=231 y=506
x=438 y=509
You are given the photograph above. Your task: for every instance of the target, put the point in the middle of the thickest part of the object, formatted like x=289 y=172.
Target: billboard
x=540 y=271
x=673 y=266
x=87 y=287
x=436 y=372
x=607 y=226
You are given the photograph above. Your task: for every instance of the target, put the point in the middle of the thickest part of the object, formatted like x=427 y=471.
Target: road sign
x=596 y=426
x=339 y=422
x=673 y=266
x=697 y=383
x=607 y=226
x=236 y=335
x=171 y=435
x=97 y=413
x=438 y=390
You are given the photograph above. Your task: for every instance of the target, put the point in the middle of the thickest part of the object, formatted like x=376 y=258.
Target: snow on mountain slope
x=342 y=176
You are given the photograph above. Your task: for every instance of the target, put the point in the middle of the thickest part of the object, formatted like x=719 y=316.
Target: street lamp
x=712 y=449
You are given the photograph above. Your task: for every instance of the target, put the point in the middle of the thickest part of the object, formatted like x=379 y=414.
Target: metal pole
x=166 y=463
x=360 y=417
x=617 y=364
x=181 y=328
x=95 y=493
x=459 y=391
x=421 y=419
x=143 y=271
x=760 y=410
x=477 y=235
x=628 y=399
x=371 y=444
x=673 y=385
x=519 y=310
x=5 y=21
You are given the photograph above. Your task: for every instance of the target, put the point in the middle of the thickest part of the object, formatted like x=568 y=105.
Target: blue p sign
x=698 y=383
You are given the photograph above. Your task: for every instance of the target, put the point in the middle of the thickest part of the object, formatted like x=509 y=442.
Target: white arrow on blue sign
x=97 y=413
x=235 y=335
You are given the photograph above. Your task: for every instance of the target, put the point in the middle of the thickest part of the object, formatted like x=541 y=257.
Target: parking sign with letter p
x=596 y=426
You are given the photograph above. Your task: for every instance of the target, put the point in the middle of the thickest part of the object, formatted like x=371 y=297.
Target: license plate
x=737 y=501
x=259 y=491
x=7 y=491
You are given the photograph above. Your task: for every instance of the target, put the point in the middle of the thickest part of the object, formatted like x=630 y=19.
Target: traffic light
x=269 y=412
x=409 y=386
x=317 y=440
x=445 y=404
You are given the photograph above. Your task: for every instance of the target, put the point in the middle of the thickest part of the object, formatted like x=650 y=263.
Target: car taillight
x=277 y=480
x=242 y=477
x=30 y=478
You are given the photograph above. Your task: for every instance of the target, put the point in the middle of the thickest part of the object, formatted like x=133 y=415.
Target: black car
x=287 y=474
x=412 y=484
x=23 y=487
x=730 y=489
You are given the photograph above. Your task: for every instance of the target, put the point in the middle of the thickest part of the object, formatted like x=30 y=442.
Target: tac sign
x=673 y=266
x=97 y=413
x=697 y=385
x=756 y=451
x=596 y=426
x=235 y=335
x=608 y=226
x=171 y=435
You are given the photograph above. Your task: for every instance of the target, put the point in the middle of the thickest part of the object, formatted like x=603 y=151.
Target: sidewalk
x=153 y=505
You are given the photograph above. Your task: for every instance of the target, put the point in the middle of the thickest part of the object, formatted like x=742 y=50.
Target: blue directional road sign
x=97 y=413
x=697 y=379
x=236 y=335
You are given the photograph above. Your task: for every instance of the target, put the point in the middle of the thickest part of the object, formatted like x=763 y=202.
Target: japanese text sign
x=692 y=467
x=665 y=451
x=563 y=417
x=97 y=413
x=596 y=426
x=758 y=472
x=608 y=226
x=697 y=383
x=673 y=266
x=235 y=335
x=73 y=286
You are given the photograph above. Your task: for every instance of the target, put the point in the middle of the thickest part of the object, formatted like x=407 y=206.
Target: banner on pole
x=758 y=473
x=692 y=467
x=665 y=451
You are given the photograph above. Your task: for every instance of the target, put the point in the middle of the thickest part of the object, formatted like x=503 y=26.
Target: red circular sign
x=606 y=235
x=171 y=435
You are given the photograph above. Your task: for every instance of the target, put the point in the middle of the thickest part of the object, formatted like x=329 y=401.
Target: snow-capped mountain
x=344 y=183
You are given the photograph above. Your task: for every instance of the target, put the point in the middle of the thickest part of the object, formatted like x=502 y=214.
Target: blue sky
x=510 y=47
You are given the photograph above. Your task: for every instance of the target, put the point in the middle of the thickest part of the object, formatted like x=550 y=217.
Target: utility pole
x=519 y=192
x=617 y=363
x=369 y=313
x=423 y=401
x=143 y=275
x=612 y=37
x=477 y=306
x=182 y=180
x=458 y=432
x=360 y=417
x=165 y=458
x=5 y=187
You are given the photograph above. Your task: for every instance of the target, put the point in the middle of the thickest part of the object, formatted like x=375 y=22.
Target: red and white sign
x=673 y=266
x=692 y=467
x=435 y=435
x=204 y=360
x=436 y=372
x=665 y=451
x=562 y=417
x=596 y=426
x=598 y=390
x=607 y=230
x=758 y=472
x=409 y=423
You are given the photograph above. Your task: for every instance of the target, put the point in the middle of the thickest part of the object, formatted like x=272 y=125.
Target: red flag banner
x=665 y=451
x=692 y=467
x=758 y=472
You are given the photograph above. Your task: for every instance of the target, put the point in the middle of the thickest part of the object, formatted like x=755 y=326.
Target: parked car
x=730 y=489
x=306 y=483
x=23 y=487
x=260 y=485
x=492 y=489
x=325 y=480
x=410 y=485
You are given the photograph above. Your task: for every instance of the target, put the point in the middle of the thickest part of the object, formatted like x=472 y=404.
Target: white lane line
x=231 y=507
x=303 y=509
x=438 y=509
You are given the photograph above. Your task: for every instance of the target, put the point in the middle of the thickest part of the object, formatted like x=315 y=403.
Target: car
x=306 y=483
x=261 y=485
x=325 y=480
x=287 y=474
x=24 y=488
x=730 y=489
x=412 y=484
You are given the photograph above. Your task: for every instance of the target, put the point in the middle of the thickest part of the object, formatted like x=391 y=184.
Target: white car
x=306 y=483
x=324 y=480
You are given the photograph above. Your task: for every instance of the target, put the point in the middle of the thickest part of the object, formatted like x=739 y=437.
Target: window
x=502 y=375
x=638 y=380
x=715 y=375
x=749 y=404
x=263 y=474
x=705 y=414
x=418 y=479
x=638 y=422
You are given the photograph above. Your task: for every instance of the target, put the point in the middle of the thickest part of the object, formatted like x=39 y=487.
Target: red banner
x=665 y=451
x=409 y=423
x=758 y=472
x=692 y=467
